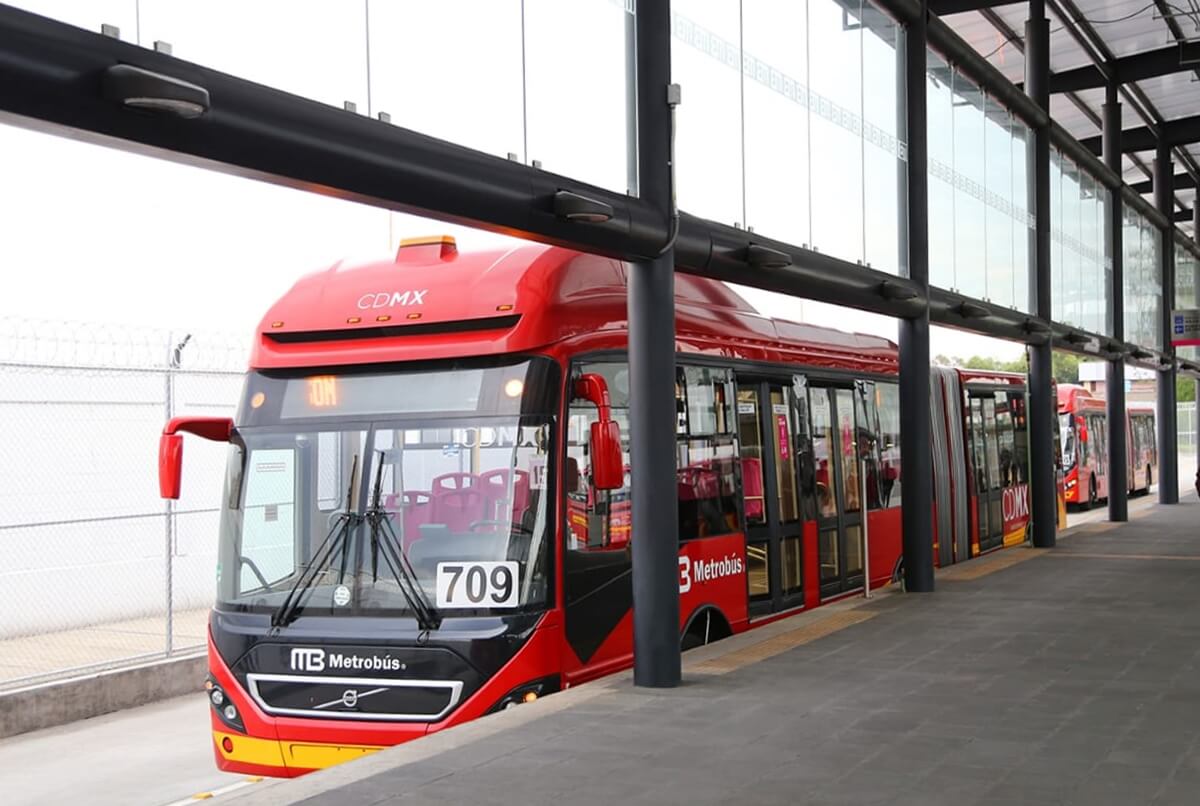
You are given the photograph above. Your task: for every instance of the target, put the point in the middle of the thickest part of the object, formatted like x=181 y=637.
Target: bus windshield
x=389 y=493
x=1067 y=428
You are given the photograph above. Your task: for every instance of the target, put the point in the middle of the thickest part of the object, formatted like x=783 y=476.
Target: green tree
x=1185 y=389
x=1065 y=367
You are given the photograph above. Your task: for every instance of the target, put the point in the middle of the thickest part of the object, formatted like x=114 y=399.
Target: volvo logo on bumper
x=350 y=698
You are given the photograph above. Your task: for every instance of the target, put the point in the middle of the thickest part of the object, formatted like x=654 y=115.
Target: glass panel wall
x=767 y=141
x=978 y=223
x=1078 y=271
x=1186 y=266
x=1143 y=280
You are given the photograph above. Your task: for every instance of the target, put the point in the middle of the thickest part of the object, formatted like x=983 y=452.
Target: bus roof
x=1073 y=397
x=434 y=302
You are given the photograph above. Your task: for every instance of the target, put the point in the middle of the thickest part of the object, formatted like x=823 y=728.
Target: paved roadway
x=148 y=756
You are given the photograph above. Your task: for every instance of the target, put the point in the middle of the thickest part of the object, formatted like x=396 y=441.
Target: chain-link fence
x=95 y=569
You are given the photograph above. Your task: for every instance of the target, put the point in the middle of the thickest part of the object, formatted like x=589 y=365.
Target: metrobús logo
x=390 y=299
x=309 y=659
x=701 y=571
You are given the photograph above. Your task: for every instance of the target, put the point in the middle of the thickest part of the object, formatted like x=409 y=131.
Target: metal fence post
x=174 y=359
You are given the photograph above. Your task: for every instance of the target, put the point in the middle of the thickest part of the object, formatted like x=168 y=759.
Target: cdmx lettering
x=385 y=299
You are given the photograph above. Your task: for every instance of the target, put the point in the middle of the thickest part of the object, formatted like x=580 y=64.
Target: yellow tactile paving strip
x=782 y=643
x=1100 y=556
x=983 y=566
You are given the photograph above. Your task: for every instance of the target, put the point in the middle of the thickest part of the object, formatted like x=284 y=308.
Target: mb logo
x=305 y=659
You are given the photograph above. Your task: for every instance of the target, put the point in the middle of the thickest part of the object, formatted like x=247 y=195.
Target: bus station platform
x=1069 y=675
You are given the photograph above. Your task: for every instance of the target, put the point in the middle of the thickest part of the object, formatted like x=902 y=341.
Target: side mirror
x=170 y=447
x=608 y=468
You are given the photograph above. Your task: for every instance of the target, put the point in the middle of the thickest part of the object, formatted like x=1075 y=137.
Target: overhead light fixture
x=764 y=257
x=581 y=209
x=897 y=291
x=972 y=310
x=153 y=92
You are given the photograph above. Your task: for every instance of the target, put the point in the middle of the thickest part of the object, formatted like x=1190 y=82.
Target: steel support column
x=1114 y=386
x=1042 y=405
x=1196 y=285
x=655 y=546
x=1168 y=433
x=916 y=463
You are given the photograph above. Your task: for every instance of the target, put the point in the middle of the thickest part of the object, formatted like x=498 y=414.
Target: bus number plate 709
x=477 y=584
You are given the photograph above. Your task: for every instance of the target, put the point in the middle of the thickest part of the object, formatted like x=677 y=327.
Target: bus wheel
x=706 y=627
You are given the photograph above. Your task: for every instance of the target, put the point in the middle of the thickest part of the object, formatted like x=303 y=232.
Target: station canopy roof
x=1151 y=47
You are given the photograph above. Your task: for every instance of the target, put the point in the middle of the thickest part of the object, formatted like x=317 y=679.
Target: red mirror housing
x=608 y=467
x=608 y=471
x=170 y=465
x=170 y=447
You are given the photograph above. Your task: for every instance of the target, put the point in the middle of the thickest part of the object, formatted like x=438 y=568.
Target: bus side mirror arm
x=170 y=447
x=608 y=468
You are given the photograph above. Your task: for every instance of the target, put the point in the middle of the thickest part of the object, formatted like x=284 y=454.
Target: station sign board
x=1185 y=327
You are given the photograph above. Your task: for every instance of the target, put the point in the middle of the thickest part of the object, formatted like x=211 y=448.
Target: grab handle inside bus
x=608 y=469
x=170 y=447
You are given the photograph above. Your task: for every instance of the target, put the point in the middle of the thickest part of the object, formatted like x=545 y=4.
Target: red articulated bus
x=980 y=435
x=427 y=517
x=1083 y=422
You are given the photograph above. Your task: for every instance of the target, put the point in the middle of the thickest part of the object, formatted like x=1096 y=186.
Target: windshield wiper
x=384 y=537
x=335 y=540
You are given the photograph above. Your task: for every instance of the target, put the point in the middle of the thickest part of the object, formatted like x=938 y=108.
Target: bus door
x=985 y=463
x=838 y=489
x=766 y=412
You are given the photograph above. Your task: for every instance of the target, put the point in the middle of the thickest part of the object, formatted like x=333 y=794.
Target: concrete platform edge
x=62 y=701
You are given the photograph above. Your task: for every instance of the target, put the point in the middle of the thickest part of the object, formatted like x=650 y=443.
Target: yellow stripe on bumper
x=296 y=755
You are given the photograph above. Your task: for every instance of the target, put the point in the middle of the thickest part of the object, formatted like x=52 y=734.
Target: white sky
x=89 y=233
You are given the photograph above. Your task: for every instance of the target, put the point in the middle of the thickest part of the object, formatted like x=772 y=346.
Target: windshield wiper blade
x=337 y=538
x=384 y=537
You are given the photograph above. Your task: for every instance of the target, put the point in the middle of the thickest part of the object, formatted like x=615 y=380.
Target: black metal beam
x=1118 y=488
x=945 y=7
x=1177 y=132
x=655 y=550
x=1180 y=182
x=1042 y=408
x=916 y=460
x=1168 y=439
x=1182 y=57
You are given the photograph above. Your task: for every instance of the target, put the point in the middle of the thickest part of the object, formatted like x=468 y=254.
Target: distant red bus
x=427 y=509
x=1083 y=422
x=981 y=450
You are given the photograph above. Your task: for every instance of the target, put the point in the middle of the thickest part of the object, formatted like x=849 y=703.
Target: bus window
x=822 y=455
x=1005 y=441
x=597 y=519
x=706 y=453
x=1098 y=439
x=750 y=436
x=1020 y=444
x=887 y=396
x=866 y=416
x=785 y=474
x=1066 y=427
